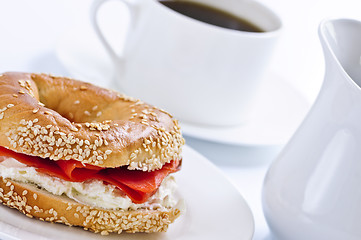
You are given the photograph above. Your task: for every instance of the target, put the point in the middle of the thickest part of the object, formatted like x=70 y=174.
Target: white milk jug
x=313 y=189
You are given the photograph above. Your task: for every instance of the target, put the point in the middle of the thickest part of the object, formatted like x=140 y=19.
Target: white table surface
x=29 y=31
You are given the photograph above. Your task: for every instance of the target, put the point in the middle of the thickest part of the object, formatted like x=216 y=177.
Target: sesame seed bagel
x=61 y=118
x=38 y=203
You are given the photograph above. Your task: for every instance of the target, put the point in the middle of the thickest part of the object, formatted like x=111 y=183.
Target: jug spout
x=341 y=42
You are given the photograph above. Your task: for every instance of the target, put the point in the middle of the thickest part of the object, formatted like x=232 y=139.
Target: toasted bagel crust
x=34 y=202
x=60 y=118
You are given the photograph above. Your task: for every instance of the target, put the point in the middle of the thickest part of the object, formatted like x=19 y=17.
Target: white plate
x=279 y=110
x=215 y=210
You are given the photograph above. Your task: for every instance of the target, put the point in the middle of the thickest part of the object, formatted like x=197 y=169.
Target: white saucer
x=215 y=210
x=279 y=111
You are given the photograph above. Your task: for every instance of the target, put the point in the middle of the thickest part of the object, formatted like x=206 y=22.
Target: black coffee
x=211 y=15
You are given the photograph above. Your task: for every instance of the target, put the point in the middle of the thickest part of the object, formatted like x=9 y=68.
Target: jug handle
x=118 y=59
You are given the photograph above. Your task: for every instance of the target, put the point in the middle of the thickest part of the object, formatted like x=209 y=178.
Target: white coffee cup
x=201 y=73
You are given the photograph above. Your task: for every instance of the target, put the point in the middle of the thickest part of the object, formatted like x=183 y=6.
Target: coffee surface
x=211 y=15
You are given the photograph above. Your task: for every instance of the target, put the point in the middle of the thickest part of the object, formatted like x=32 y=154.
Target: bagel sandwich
x=81 y=155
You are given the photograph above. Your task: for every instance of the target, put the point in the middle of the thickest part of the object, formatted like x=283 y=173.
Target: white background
x=30 y=31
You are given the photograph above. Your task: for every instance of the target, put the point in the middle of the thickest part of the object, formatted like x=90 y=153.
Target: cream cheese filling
x=92 y=192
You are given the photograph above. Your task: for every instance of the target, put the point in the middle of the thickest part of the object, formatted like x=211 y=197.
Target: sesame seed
x=22 y=83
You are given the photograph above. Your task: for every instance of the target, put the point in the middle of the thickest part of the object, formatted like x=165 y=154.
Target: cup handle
x=94 y=20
